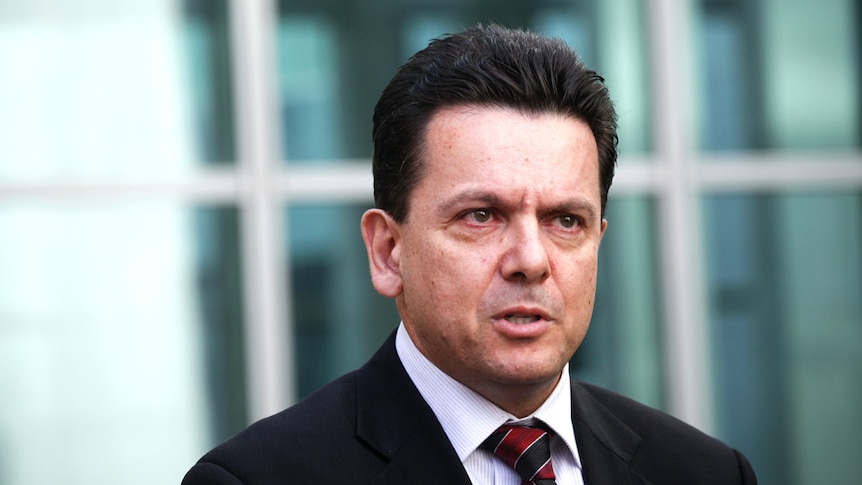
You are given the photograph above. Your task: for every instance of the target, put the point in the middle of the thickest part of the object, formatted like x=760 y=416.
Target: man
x=494 y=151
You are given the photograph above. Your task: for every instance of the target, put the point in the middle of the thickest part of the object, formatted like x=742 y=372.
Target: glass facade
x=168 y=275
x=779 y=75
x=335 y=58
x=118 y=338
x=340 y=320
x=784 y=268
x=121 y=331
x=623 y=350
x=785 y=274
x=127 y=89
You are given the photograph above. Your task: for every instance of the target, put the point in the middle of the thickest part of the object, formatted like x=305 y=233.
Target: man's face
x=494 y=268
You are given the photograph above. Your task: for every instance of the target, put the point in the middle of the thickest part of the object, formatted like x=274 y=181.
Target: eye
x=479 y=215
x=568 y=221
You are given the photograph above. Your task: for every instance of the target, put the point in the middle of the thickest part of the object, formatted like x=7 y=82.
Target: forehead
x=504 y=127
x=471 y=147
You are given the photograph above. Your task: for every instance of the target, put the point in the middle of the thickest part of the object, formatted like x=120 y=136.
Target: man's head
x=488 y=228
x=483 y=66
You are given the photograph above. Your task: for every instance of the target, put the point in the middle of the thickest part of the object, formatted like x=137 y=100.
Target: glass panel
x=336 y=57
x=341 y=320
x=219 y=302
x=785 y=279
x=779 y=74
x=622 y=350
x=112 y=321
x=112 y=88
x=208 y=75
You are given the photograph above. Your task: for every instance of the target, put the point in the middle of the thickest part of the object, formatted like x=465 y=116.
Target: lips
x=522 y=323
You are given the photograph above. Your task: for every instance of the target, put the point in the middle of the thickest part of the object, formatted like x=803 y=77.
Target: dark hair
x=484 y=66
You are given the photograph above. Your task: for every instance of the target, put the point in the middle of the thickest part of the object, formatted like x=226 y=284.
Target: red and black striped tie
x=526 y=449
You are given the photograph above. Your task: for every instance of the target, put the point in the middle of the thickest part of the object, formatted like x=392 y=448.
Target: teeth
x=522 y=319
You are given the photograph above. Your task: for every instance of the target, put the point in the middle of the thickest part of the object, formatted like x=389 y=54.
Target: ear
x=604 y=226
x=382 y=236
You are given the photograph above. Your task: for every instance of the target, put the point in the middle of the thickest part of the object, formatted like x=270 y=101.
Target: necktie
x=527 y=449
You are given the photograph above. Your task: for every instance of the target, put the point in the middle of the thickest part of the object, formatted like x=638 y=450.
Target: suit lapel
x=605 y=444
x=394 y=420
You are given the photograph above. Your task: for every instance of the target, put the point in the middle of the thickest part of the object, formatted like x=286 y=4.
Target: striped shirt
x=468 y=418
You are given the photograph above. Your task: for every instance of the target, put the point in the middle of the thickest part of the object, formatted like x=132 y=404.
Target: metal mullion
x=343 y=181
x=686 y=350
x=350 y=181
x=777 y=171
x=268 y=338
x=209 y=186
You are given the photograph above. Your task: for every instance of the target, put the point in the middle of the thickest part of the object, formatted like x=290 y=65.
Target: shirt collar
x=467 y=417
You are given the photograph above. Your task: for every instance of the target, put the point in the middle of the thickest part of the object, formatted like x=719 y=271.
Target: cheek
x=429 y=273
x=580 y=278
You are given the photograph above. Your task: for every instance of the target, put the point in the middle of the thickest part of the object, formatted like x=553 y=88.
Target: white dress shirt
x=468 y=418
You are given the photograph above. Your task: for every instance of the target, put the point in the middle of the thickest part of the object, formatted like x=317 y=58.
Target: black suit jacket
x=372 y=426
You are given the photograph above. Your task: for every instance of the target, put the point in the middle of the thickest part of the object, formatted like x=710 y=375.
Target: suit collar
x=394 y=420
x=606 y=445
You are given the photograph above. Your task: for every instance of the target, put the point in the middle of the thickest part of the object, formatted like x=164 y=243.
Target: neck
x=520 y=400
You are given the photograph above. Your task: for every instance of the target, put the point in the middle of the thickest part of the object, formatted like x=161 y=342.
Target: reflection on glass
x=119 y=88
x=208 y=82
x=622 y=349
x=785 y=279
x=340 y=319
x=218 y=272
x=335 y=60
x=779 y=75
x=308 y=95
x=107 y=316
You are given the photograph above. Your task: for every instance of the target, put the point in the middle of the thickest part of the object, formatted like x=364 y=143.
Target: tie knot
x=527 y=449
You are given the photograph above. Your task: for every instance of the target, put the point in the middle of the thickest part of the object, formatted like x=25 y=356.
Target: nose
x=526 y=257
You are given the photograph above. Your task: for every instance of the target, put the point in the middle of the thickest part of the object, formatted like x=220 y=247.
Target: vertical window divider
x=686 y=348
x=267 y=325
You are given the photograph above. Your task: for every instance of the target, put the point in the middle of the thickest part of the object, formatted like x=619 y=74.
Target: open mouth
x=521 y=319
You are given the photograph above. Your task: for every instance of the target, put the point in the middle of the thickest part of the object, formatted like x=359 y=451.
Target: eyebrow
x=469 y=197
x=579 y=205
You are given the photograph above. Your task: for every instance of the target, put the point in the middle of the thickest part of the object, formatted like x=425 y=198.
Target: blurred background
x=181 y=183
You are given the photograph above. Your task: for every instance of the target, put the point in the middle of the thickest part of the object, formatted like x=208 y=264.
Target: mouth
x=523 y=323
x=522 y=318
x=523 y=315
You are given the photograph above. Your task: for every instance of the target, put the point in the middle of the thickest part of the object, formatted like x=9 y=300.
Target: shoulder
x=329 y=410
x=284 y=444
x=657 y=444
x=648 y=423
x=642 y=419
x=325 y=437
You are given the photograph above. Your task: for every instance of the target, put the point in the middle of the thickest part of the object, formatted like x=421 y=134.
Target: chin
x=528 y=373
